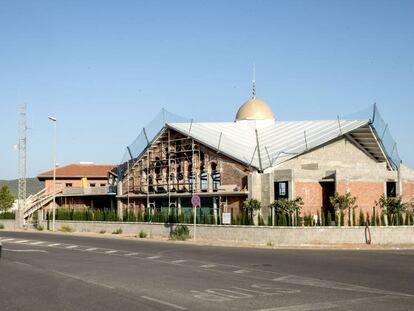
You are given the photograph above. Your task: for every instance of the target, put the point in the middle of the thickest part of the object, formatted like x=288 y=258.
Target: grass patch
x=39 y=227
x=117 y=231
x=270 y=244
x=102 y=231
x=181 y=233
x=66 y=228
x=142 y=234
x=1 y=226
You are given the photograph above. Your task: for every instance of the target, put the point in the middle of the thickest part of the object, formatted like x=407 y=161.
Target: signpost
x=195 y=201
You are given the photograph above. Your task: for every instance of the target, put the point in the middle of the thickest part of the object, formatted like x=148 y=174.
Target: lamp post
x=54 y=120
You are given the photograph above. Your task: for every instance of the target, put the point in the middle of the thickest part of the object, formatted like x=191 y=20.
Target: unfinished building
x=257 y=156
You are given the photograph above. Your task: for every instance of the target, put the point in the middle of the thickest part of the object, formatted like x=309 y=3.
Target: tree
x=393 y=207
x=342 y=202
x=6 y=199
x=250 y=206
x=287 y=207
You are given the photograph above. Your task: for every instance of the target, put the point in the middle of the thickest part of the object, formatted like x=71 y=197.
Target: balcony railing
x=88 y=190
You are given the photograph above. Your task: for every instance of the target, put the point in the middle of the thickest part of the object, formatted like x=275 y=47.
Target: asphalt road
x=40 y=271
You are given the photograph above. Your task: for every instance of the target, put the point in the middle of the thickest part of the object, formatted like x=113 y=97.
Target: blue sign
x=195 y=200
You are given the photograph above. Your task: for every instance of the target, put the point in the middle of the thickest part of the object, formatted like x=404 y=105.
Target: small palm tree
x=342 y=203
x=250 y=206
x=393 y=207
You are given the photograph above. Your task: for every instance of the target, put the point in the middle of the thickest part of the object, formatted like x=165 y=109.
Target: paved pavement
x=40 y=271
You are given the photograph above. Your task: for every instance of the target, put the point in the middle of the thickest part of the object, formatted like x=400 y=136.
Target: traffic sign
x=195 y=200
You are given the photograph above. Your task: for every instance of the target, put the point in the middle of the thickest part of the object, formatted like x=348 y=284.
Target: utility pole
x=22 y=165
x=54 y=120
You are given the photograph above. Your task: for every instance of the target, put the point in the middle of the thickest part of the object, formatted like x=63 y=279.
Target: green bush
x=361 y=218
x=142 y=234
x=181 y=232
x=117 y=231
x=66 y=228
x=7 y=215
x=329 y=219
x=102 y=231
x=1 y=226
x=323 y=221
x=39 y=227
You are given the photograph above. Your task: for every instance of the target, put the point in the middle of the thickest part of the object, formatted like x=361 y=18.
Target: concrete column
x=120 y=209
x=179 y=205
x=215 y=210
x=40 y=215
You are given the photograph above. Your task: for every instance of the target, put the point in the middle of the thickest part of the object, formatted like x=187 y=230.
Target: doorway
x=328 y=191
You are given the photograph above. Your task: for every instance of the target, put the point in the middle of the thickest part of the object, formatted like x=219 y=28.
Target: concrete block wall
x=9 y=224
x=277 y=236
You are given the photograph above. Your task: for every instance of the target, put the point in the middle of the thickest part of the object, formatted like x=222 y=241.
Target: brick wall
x=311 y=193
x=407 y=191
x=233 y=174
x=365 y=192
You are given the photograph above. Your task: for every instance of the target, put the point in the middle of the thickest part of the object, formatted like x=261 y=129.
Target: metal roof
x=266 y=146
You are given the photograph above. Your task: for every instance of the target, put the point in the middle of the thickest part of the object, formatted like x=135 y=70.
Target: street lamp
x=54 y=120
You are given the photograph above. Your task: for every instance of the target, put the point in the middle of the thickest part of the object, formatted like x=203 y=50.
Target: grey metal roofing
x=278 y=141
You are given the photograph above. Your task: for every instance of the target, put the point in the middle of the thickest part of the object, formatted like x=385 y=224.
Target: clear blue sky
x=105 y=68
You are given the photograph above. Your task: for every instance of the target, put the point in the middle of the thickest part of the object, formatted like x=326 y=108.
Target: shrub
x=353 y=217
x=361 y=218
x=102 y=231
x=329 y=219
x=39 y=227
x=342 y=203
x=66 y=228
x=142 y=234
x=1 y=226
x=181 y=232
x=377 y=220
x=117 y=231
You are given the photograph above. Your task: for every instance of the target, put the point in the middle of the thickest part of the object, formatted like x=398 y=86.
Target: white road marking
x=241 y=271
x=111 y=252
x=54 y=244
x=329 y=304
x=91 y=249
x=298 y=280
x=164 y=303
x=84 y=280
x=25 y=250
x=179 y=261
x=153 y=257
x=71 y=246
x=208 y=266
x=5 y=240
x=36 y=243
x=131 y=254
x=22 y=241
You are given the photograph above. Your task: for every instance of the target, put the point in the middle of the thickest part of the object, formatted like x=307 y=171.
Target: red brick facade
x=407 y=191
x=367 y=193
x=311 y=193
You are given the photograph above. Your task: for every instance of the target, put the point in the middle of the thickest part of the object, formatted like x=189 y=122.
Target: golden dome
x=254 y=109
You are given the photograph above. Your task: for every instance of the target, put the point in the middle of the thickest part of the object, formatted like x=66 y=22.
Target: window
x=281 y=190
x=92 y=185
x=68 y=184
x=102 y=185
x=391 y=189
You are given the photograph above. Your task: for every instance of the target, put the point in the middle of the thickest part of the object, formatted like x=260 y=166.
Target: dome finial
x=254 y=81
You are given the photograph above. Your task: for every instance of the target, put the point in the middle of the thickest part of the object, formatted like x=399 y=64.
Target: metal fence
x=382 y=131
